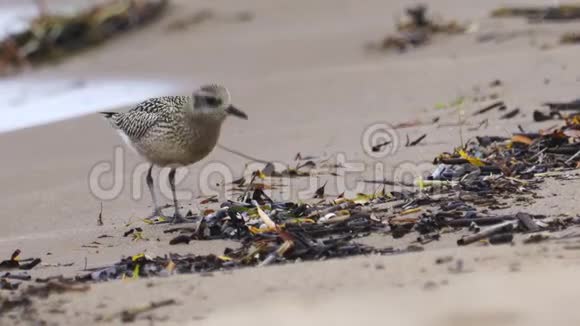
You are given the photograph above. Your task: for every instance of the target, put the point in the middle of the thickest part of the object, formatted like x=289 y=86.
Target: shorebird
x=175 y=131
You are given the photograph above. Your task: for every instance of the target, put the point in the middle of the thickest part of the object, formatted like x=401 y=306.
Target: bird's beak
x=232 y=110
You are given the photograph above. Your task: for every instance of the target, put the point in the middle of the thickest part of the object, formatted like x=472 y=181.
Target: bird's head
x=215 y=100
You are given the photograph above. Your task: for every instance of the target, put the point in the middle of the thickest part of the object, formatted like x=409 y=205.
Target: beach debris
x=301 y=169
x=416 y=141
x=319 y=193
x=507 y=226
x=564 y=106
x=135 y=233
x=418 y=30
x=466 y=184
x=559 y=111
x=16 y=263
x=501 y=238
x=483 y=124
x=180 y=239
x=539 y=116
x=130 y=315
x=539 y=14
x=260 y=247
x=562 y=12
x=211 y=199
x=510 y=114
x=100 y=216
x=494 y=105
x=269 y=170
x=12 y=262
x=528 y=222
x=459 y=198
x=537 y=237
x=50 y=37
x=203 y=15
x=132 y=231
x=570 y=38
x=17 y=276
x=378 y=147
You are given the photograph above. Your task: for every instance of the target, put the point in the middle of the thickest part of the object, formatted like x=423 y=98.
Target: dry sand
x=301 y=71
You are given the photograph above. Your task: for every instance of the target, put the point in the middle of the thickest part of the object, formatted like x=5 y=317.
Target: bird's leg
x=156 y=209
x=177 y=218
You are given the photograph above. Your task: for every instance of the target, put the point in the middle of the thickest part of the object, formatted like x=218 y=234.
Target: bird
x=175 y=131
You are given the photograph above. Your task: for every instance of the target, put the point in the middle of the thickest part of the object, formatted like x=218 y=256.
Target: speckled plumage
x=166 y=132
x=175 y=131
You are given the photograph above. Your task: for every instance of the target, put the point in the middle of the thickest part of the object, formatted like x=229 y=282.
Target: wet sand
x=301 y=72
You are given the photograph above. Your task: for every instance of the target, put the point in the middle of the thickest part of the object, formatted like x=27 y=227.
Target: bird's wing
x=160 y=105
x=135 y=122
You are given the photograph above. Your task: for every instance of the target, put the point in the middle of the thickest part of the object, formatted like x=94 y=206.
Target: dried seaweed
x=570 y=38
x=419 y=30
x=510 y=114
x=100 y=216
x=480 y=176
x=494 y=105
x=464 y=189
x=51 y=37
x=16 y=263
x=416 y=141
x=130 y=315
x=538 y=14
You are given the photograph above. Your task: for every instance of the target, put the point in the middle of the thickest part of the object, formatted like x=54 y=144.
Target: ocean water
x=26 y=102
x=15 y=14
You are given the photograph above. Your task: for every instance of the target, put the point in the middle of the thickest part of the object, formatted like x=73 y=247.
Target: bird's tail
x=108 y=114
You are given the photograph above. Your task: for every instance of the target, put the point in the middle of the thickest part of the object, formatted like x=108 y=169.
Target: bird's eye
x=213 y=101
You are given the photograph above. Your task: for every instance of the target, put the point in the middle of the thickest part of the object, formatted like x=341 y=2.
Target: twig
x=320 y=191
x=100 y=217
x=285 y=246
x=378 y=147
x=417 y=141
x=129 y=315
x=489 y=108
x=243 y=197
x=538 y=153
x=573 y=157
x=507 y=226
x=510 y=114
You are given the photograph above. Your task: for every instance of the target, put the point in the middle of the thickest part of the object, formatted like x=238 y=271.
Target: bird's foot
x=178 y=218
x=157 y=213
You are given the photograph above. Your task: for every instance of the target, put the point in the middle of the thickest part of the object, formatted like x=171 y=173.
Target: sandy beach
x=303 y=73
